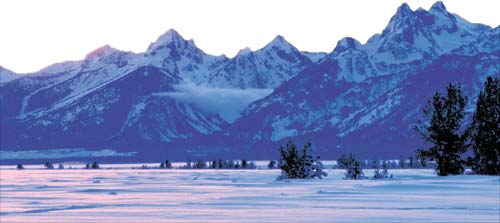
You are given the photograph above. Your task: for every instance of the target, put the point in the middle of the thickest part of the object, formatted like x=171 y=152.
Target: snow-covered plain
x=159 y=195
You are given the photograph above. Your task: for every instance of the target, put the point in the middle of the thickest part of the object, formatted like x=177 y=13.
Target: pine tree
x=272 y=164
x=188 y=164
x=220 y=164
x=354 y=171
x=94 y=165
x=168 y=164
x=485 y=130
x=297 y=163
x=443 y=131
x=385 y=172
x=353 y=166
x=251 y=165
x=243 y=164
x=345 y=161
x=376 y=170
x=290 y=161
x=200 y=164
x=49 y=165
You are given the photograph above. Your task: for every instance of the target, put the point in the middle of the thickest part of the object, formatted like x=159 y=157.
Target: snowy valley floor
x=153 y=195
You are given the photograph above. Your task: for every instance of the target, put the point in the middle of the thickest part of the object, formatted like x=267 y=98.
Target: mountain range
x=360 y=98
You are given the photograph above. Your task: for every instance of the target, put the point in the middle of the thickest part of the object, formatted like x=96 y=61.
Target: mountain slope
x=361 y=98
x=112 y=112
x=350 y=100
x=7 y=75
x=368 y=118
x=268 y=67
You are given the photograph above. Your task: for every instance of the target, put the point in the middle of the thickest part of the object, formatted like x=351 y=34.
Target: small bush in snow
x=354 y=170
x=20 y=166
x=272 y=164
x=296 y=163
x=345 y=161
x=200 y=164
x=381 y=174
x=166 y=165
x=93 y=166
x=48 y=165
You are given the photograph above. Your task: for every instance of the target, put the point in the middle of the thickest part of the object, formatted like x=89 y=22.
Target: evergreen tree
x=20 y=166
x=94 y=165
x=243 y=164
x=345 y=161
x=251 y=165
x=200 y=164
x=485 y=130
x=214 y=164
x=376 y=170
x=353 y=166
x=272 y=164
x=443 y=131
x=290 y=160
x=168 y=164
x=295 y=163
x=220 y=164
x=385 y=173
x=355 y=171
x=48 y=165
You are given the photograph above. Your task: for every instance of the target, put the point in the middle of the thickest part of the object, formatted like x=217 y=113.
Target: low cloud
x=227 y=102
x=60 y=153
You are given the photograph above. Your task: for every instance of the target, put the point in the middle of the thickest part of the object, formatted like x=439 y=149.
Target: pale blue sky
x=37 y=33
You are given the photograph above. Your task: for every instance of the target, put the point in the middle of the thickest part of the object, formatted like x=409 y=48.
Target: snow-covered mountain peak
x=347 y=43
x=244 y=51
x=438 y=7
x=404 y=10
x=7 y=75
x=169 y=35
x=403 y=25
x=101 y=52
x=168 y=38
x=279 y=42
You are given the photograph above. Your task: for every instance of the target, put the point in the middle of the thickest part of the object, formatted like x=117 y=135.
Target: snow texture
x=159 y=195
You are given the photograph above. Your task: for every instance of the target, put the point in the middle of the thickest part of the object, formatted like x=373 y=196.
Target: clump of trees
x=166 y=165
x=485 y=130
x=94 y=165
x=352 y=165
x=449 y=138
x=272 y=164
x=48 y=165
x=380 y=174
x=220 y=164
x=298 y=163
x=444 y=132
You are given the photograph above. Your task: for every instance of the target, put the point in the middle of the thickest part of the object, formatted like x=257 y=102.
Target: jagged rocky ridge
x=360 y=97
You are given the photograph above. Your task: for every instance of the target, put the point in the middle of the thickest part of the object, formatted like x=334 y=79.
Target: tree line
x=444 y=128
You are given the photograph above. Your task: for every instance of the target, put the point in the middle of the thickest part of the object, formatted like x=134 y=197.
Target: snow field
x=175 y=195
